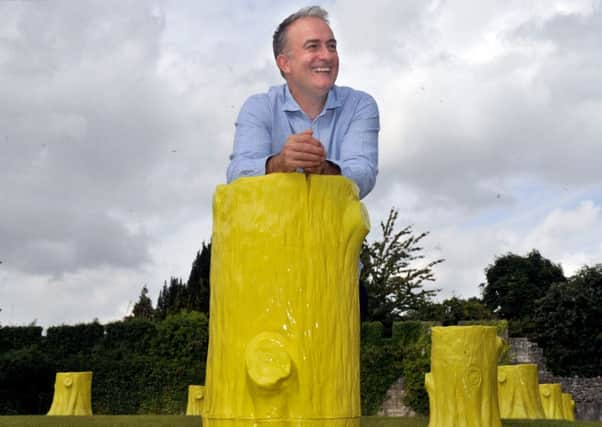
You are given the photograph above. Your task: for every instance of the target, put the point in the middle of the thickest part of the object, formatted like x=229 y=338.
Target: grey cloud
x=571 y=71
x=45 y=237
x=87 y=128
x=496 y=124
x=59 y=34
x=117 y=118
x=389 y=31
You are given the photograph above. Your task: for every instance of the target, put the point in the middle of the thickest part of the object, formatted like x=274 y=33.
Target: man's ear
x=282 y=62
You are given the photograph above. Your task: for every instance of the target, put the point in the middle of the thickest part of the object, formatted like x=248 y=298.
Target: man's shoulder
x=274 y=93
x=350 y=98
x=265 y=100
x=346 y=93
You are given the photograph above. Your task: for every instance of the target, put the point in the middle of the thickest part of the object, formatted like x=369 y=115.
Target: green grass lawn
x=182 y=421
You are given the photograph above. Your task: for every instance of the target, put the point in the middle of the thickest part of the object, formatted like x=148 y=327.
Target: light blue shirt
x=347 y=127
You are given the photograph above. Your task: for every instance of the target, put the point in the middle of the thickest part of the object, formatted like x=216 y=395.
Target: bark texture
x=551 y=399
x=462 y=384
x=284 y=329
x=72 y=394
x=518 y=392
x=196 y=400
x=568 y=407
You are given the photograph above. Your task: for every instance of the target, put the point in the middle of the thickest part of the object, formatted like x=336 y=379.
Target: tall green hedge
x=16 y=337
x=142 y=366
x=139 y=366
x=384 y=360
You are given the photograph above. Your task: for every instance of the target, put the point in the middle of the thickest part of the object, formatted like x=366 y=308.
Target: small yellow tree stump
x=72 y=394
x=568 y=407
x=462 y=384
x=551 y=400
x=196 y=400
x=518 y=392
x=284 y=330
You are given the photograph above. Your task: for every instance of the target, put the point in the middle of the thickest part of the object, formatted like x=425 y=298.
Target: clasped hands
x=302 y=151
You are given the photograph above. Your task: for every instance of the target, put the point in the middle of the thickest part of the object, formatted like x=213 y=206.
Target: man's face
x=310 y=61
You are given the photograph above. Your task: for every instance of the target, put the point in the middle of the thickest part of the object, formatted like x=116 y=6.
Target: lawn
x=182 y=421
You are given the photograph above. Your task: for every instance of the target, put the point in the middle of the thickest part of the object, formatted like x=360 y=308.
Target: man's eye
x=332 y=47
x=312 y=46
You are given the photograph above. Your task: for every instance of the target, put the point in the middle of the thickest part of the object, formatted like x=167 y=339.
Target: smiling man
x=308 y=124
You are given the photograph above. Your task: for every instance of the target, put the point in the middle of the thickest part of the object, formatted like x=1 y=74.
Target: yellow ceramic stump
x=568 y=407
x=196 y=400
x=518 y=392
x=284 y=330
x=72 y=394
x=462 y=384
x=551 y=399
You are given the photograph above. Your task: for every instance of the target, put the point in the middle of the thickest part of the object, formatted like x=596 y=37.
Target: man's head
x=306 y=51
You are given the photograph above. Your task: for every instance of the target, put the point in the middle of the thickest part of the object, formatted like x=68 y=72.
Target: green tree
x=190 y=296
x=180 y=350
x=198 y=282
x=172 y=298
x=143 y=309
x=567 y=322
x=513 y=285
x=453 y=310
x=392 y=275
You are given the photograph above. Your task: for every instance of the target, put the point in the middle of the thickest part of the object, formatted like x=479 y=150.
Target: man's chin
x=324 y=86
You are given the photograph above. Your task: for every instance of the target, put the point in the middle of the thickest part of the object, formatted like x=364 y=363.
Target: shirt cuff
x=246 y=168
x=337 y=164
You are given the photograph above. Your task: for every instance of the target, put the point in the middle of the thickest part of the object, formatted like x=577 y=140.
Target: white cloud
x=117 y=123
x=569 y=236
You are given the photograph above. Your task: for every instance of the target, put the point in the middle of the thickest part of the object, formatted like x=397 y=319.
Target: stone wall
x=587 y=392
x=393 y=405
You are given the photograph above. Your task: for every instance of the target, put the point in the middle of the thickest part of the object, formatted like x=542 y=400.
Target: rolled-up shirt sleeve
x=252 y=141
x=359 y=150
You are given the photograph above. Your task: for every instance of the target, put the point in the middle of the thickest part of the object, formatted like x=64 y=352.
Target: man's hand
x=301 y=150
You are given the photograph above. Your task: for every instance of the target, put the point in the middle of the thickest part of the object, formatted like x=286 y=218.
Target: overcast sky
x=117 y=117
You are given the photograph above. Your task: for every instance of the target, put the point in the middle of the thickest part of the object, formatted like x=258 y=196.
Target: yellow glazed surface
x=196 y=399
x=568 y=407
x=551 y=399
x=462 y=385
x=284 y=329
x=518 y=392
x=72 y=394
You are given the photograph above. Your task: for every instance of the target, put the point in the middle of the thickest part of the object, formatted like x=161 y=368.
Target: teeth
x=322 y=69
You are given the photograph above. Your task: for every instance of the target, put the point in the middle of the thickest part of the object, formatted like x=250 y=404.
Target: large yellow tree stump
x=462 y=384
x=568 y=407
x=196 y=400
x=551 y=399
x=518 y=392
x=72 y=394
x=284 y=330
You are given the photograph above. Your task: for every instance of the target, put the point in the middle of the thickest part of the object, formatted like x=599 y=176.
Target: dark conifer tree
x=143 y=309
x=198 y=281
x=172 y=298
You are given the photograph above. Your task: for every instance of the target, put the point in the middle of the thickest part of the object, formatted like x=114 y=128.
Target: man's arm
x=252 y=139
x=359 y=150
x=252 y=154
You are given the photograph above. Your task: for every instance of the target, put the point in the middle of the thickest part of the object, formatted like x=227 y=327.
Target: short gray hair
x=279 y=39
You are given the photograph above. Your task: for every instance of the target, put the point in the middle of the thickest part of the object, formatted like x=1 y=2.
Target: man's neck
x=311 y=105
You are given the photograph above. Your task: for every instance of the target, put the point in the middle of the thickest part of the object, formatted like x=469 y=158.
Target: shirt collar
x=332 y=100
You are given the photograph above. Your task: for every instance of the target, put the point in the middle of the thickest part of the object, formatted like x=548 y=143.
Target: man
x=308 y=124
